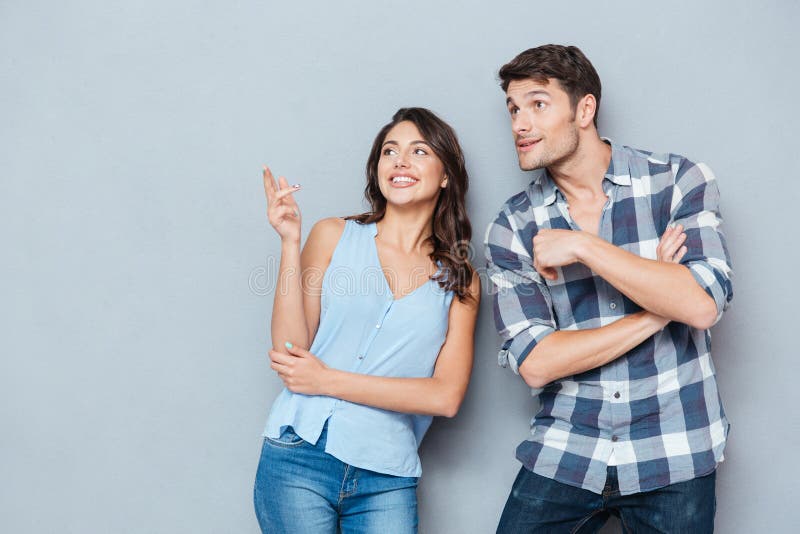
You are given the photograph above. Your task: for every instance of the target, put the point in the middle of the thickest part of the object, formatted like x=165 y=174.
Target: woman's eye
x=388 y=151
x=540 y=105
x=420 y=152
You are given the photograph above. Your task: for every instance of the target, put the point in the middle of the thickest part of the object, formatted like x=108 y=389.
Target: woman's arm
x=295 y=310
x=441 y=394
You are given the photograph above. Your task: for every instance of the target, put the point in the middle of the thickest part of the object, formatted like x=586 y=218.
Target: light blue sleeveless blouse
x=362 y=329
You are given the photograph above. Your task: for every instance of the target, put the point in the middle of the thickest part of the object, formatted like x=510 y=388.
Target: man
x=607 y=271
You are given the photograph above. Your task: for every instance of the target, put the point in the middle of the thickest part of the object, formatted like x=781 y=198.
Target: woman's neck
x=406 y=230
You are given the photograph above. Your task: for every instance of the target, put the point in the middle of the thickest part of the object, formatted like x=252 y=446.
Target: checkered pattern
x=656 y=407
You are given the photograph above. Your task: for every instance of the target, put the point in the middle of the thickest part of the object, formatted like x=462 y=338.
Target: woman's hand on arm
x=440 y=394
x=300 y=371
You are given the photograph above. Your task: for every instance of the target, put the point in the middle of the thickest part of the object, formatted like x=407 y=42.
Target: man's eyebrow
x=535 y=92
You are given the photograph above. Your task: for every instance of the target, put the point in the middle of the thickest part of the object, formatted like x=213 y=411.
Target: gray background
x=137 y=257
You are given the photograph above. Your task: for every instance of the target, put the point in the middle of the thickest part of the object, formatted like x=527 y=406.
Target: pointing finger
x=269 y=183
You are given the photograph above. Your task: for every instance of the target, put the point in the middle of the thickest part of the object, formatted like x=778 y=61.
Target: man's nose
x=521 y=124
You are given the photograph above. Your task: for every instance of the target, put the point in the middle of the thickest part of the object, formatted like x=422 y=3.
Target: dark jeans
x=542 y=505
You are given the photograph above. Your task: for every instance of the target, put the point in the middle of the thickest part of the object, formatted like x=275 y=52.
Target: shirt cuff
x=714 y=278
x=515 y=350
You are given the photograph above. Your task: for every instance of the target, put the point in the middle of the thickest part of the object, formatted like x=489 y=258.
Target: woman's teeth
x=403 y=179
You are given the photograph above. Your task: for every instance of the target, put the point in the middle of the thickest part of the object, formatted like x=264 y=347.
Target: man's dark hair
x=567 y=64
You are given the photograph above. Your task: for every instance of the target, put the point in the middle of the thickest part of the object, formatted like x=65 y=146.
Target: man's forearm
x=666 y=289
x=568 y=352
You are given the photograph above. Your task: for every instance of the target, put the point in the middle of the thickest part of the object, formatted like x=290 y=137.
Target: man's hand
x=670 y=248
x=555 y=248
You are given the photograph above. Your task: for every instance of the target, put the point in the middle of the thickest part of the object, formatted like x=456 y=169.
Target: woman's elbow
x=449 y=405
x=448 y=412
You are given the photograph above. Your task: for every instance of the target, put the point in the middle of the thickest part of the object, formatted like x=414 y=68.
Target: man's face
x=543 y=122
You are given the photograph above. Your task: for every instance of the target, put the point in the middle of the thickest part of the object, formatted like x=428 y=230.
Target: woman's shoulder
x=323 y=238
x=330 y=227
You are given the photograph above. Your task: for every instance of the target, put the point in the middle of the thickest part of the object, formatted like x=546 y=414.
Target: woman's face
x=409 y=172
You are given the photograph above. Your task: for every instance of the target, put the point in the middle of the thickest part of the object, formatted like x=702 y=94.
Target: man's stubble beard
x=565 y=149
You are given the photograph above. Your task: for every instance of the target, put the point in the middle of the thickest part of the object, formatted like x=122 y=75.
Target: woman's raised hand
x=282 y=210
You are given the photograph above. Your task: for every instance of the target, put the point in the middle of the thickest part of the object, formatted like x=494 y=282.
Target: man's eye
x=513 y=111
x=540 y=105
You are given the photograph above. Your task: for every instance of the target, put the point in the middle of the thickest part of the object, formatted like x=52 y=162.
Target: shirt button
x=616 y=395
x=614 y=438
x=360 y=356
x=613 y=305
x=378 y=325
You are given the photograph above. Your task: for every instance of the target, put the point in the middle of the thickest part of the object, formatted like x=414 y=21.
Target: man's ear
x=586 y=110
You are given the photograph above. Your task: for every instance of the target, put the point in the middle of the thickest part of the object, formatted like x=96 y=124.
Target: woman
x=374 y=338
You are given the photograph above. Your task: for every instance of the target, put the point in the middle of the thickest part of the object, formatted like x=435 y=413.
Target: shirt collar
x=618 y=173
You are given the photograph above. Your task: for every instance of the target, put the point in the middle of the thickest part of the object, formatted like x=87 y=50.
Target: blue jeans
x=542 y=505
x=301 y=489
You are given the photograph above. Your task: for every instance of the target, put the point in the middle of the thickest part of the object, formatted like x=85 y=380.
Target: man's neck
x=581 y=176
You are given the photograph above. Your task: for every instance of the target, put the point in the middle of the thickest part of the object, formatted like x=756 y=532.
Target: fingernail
x=288 y=345
x=296 y=186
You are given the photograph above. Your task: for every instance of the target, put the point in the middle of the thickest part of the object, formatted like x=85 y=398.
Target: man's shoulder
x=514 y=214
x=523 y=201
x=652 y=164
x=517 y=202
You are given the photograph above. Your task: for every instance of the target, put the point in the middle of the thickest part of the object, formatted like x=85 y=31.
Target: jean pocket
x=288 y=439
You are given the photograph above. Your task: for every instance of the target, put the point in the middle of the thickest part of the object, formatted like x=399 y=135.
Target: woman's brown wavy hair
x=452 y=231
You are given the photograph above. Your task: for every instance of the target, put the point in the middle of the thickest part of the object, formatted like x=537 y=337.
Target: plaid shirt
x=655 y=407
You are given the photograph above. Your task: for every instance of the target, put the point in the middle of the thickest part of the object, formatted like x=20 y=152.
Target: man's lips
x=526 y=145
